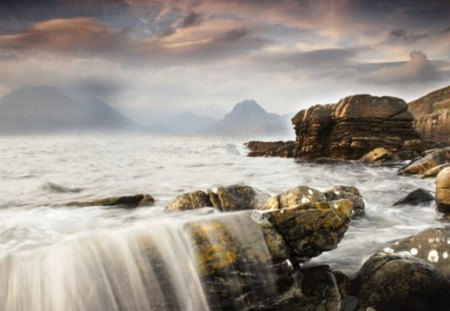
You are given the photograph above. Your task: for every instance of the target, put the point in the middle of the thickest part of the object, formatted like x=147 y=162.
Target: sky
x=150 y=57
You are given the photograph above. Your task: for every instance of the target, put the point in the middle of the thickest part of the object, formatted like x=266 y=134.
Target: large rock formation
x=443 y=191
x=432 y=115
x=353 y=127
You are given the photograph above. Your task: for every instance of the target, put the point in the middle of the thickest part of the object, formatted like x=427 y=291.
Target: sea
x=55 y=257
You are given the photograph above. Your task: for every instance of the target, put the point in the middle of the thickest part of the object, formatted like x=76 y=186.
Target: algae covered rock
x=311 y=228
x=124 y=201
x=294 y=197
x=443 y=191
x=347 y=192
x=189 y=201
x=237 y=197
x=401 y=282
x=432 y=245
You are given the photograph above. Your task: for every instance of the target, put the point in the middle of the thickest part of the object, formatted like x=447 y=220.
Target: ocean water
x=48 y=248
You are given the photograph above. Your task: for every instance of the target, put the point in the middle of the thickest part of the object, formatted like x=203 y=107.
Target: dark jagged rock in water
x=429 y=165
x=432 y=115
x=432 y=245
x=271 y=149
x=443 y=191
x=353 y=127
x=225 y=199
x=416 y=197
x=125 y=201
x=401 y=282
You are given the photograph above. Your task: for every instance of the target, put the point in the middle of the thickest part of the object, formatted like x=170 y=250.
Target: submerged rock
x=432 y=245
x=237 y=198
x=443 y=191
x=416 y=197
x=401 y=282
x=189 y=201
x=434 y=158
x=125 y=201
x=353 y=127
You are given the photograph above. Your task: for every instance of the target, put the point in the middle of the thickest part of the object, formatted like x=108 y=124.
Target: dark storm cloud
x=192 y=19
x=403 y=35
x=85 y=37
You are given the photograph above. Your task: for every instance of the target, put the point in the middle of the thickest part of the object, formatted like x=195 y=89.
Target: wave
x=56 y=188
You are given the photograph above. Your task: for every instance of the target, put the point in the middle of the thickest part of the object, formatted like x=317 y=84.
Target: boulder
x=189 y=201
x=432 y=115
x=431 y=160
x=123 y=201
x=432 y=245
x=433 y=172
x=309 y=229
x=416 y=197
x=236 y=253
x=347 y=192
x=353 y=127
x=378 y=156
x=443 y=191
x=399 y=281
x=294 y=197
x=237 y=198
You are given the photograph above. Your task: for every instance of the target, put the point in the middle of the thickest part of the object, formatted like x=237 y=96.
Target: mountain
x=248 y=118
x=187 y=123
x=432 y=115
x=46 y=109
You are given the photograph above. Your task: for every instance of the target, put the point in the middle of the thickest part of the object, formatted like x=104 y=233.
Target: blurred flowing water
x=53 y=257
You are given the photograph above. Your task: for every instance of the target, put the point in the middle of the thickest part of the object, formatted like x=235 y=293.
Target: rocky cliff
x=432 y=114
x=353 y=127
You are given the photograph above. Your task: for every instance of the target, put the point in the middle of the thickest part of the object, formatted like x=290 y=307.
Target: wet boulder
x=294 y=197
x=378 y=156
x=431 y=160
x=399 y=281
x=237 y=198
x=309 y=229
x=123 y=201
x=433 y=172
x=347 y=192
x=416 y=197
x=443 y=191
x=189 y=201
x=432 y=245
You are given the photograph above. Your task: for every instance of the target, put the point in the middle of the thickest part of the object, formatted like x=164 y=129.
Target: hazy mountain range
x=48 y=110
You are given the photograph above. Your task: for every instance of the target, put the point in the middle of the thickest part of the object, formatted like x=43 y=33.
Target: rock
x=294 y=197
x=431 y=160
x=401 y=282
x=237 y=198
x=416 y=197
x=271 y=149
x=353 y=127
x=432 y=115
x=432 y=245
x=443 y=190
x=347 y=192
x=189 y=201
x=433 y=172
x=309 y=229
x=125 y=201
x=377 y=156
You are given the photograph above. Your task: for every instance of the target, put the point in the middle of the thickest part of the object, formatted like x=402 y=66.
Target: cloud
x=419 y=69
x=86 y=37
x=402 y=35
